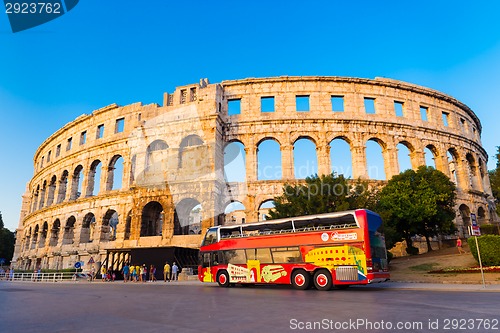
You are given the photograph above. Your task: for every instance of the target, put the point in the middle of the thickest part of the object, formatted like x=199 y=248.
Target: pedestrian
x=166 y=272
x=125 y=272
x=144 y=273
x=103 y=273
x=459 y=246
x=175 y=271
x=152 y=272
x=133 y=275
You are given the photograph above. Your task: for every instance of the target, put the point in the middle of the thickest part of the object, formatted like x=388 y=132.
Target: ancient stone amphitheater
x=151 y=177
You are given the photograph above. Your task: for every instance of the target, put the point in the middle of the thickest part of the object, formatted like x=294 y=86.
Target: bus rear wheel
x=223 y=279
x=323 y=280
x=301 y=279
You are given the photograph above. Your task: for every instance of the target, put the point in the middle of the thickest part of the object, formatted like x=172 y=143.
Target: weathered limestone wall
x=171 y=160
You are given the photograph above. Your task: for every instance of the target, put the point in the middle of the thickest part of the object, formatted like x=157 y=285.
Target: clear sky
x=104 y=52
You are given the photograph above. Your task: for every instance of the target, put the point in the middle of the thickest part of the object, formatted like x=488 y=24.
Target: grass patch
x=424 y=267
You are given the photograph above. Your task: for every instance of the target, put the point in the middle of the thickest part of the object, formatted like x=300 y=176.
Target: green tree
x=7 y=242
x=418 y=203
x=495 y=181
x=328 y=193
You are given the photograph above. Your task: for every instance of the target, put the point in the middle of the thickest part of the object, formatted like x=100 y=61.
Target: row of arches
x=56 y=191
x=466 y=171
x=188 y=215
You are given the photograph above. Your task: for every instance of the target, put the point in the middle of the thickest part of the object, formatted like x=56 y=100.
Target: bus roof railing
x=328 y=221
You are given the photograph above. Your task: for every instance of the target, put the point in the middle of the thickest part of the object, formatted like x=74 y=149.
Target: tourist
x=175 y=271
x=125 y=272
x=166 y=272
x=459 y=246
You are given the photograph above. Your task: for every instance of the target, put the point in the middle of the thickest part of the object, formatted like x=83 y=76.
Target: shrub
x=489 y=246
x=489 y=229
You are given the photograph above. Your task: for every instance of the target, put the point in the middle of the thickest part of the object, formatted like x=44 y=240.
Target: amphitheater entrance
x=186 y=259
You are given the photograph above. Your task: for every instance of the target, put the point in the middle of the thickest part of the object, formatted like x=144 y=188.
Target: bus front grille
x=347 y=273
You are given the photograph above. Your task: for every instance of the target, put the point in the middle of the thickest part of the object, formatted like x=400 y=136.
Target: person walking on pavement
x=175 y=271
x=166 y=272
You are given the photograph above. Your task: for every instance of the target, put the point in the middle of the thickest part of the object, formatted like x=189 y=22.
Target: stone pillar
x=391 y=163
x=251 y=163
x=323 y=156
x=359 y=167
x=287 y=162
x=417 y=159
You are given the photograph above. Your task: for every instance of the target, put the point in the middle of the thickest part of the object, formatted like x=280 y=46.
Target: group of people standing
x=143 y=274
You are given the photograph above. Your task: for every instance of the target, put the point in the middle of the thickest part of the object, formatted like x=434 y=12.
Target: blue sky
x=104 y=52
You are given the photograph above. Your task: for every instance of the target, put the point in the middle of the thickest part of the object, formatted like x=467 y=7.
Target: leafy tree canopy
x=7 y=242
x=324 y=194
x=417 y=202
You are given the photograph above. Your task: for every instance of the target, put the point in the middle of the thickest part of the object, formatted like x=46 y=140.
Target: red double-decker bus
x=324 y=250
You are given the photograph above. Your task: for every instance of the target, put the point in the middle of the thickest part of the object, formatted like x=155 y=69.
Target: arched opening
x=69 y=231
x=43 y=234
x=341 y=157
x=52 y=190
x=42 y=195
x=152 y=219
x=63 y=183
x=235 y=162
x=404 y=157
x=187 y=149
x=156 y=155
x=305 y=160
x=234 y=213
x=35 y=237
x=76 y=184
x=430 y=156
x=35 y=199
x=27 y=243
x=188 y=217
x=375 y=159
x=481 y=215
x=109 y=225
x=453 y=165
x=128 y=224
x=115 y=173
x=264 y=209
x=94 y=178
x=88 y=227
x=54 y=233
x=472 y=171
x=269 y=160
x=482 y=174
x=465 y=216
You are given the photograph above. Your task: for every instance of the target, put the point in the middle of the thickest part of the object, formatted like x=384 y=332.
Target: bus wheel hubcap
x=299 y=280
x=322 y=280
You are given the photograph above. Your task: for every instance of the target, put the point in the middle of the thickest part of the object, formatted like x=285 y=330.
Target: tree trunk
x=429 y=248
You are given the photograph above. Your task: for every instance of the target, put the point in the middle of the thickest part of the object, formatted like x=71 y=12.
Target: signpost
x=476 y=231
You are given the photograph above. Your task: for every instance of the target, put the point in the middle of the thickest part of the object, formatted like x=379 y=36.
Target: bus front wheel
x=301 y=279
x=223 y=279
x=323 y=279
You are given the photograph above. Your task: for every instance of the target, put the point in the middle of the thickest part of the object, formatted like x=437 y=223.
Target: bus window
x=205 y=259
x=282 y=255
x=264 y=255
x=210 y=237
x=235 y=257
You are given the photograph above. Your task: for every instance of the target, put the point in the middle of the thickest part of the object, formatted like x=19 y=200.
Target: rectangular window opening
x=120 y=125
x=423 y=113
x=267 y=104
x=69 y=143
x=48 y=156
x=302 y=103
x=398 y=108
x=233 y=106
x=370 y=105
x=100 y=131
x=337 y=103
x=58 y=150
x=445 y=118
x=83 y=137
x=183 y=96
